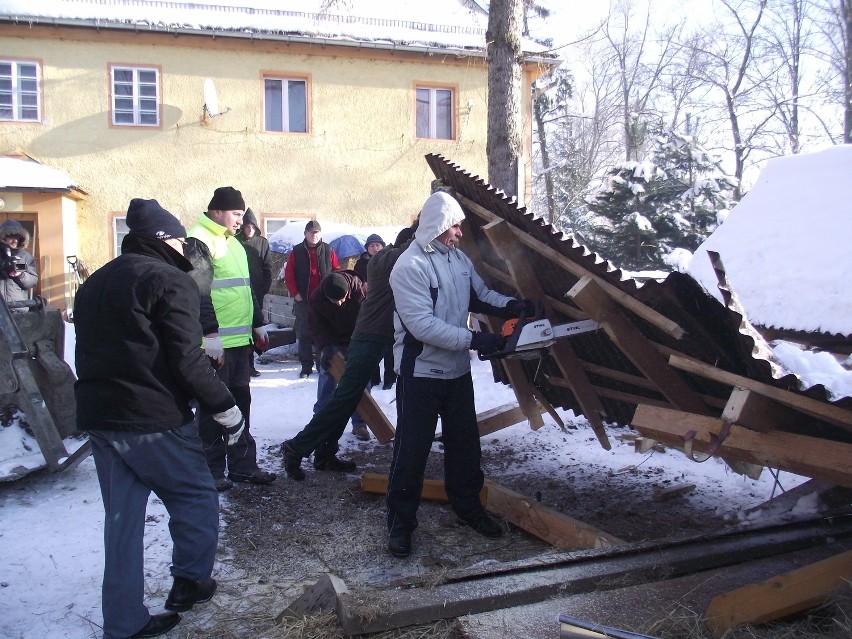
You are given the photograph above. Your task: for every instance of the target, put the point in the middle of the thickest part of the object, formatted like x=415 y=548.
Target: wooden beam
x=492 y=420
x=566 y=309
x=836 y=415
x=545 y=523
x=780 y=596
x=368 y=409
x=527 y=284
x=754 y=411
x=645 y=312
x=823 y=459
x=589 y=296
x=433 y=489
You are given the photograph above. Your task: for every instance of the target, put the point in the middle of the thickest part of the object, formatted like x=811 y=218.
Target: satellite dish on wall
x=211 y=103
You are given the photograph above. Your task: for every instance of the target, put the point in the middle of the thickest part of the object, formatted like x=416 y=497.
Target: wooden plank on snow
x=490 y=421
x=589 y=296
x=824 y=459
x=545 y=523
x=367 y=407
x=628 y=301
x=780 y=596
x=836 y=415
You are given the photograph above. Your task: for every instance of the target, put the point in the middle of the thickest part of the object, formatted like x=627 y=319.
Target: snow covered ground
x=51 y=536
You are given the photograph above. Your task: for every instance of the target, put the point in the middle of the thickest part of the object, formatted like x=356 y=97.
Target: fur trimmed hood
x=13 y=227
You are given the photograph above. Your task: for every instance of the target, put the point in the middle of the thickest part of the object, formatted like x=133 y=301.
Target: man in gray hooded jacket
x=434 y=285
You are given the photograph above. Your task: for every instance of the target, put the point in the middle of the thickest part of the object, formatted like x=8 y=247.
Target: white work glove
x=233 y=422
x=213 y=349
x=261 y=338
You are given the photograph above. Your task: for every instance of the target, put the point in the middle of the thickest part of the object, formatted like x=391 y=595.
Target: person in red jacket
x=308 y=264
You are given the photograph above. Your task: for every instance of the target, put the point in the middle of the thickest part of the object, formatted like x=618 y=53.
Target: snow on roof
x=786 y=245
x=444 y=24
x=29 y=174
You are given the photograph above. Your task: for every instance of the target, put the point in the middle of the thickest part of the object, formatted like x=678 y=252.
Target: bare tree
x=835 y=25
x=503 y=42
x=727 y=60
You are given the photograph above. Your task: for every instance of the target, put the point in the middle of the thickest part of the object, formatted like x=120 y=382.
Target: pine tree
x=647 y=209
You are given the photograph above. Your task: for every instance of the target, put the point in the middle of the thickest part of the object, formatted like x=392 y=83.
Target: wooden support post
x=754 y=411
x=780 y=596
x=593 y=299
x=367 y=407
x=824 y=459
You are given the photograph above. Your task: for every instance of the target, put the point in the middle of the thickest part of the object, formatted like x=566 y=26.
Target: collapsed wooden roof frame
x=670 y=361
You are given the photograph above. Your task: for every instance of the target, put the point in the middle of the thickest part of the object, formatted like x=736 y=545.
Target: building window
x=434 y=113
x=135 y=96
x=19 y=91
x=119 y=231
x=273 y=224
x=285 y=105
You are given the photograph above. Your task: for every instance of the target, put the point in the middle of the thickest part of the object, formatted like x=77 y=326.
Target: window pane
x=122 y=117
x=5 y=113
x=5 y=84
x=27 y=71
x=149 y=118
x=5 y=68
x=147 y=105
x=122 y=75
x=29 y=114
x=297 y=104
x=123 y=104
x=422 y=113
x=5 y=98
x=272 y=105
x=147 y=76
x=29 y=99
x=444 y=114
x=28 y=85
x=148 y=90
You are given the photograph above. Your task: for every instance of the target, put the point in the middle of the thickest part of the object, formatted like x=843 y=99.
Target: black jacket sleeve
x=198 y=254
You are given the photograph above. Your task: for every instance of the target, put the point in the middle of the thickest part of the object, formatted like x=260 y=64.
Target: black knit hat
x=335 y=287
x=375 y=237
x=147 y=217
x=313 y=225
x=227 y=198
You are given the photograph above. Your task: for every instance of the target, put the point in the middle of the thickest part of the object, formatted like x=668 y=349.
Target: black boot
x=157 y=625
x=335 y=464
x=186 y=593
x=292 y=462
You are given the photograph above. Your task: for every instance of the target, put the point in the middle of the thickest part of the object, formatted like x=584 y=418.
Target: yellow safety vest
x=230 y=291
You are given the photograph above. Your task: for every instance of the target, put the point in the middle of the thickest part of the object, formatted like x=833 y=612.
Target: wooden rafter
x=645 y=312
x=589 y=296
x=839 y=416
x=527 y=284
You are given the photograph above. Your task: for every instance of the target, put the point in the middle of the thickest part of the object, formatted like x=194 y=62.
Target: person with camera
x=18 y=273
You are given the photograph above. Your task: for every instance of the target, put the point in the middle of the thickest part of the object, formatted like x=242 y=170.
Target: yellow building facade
x=358 y=160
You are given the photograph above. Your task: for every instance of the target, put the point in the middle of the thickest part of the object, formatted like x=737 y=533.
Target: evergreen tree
x=647 y=209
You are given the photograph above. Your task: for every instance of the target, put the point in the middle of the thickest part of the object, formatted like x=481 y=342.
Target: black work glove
x=516 y=308
x=486 y=343
x=325 y=357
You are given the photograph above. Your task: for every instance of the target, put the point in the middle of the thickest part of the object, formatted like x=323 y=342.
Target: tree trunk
x=503 y=147
x=846 y=15
x=545 y=161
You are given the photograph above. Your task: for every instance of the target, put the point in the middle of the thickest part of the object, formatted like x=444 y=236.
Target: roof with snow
x=786 y=245
x=20 y=174
x=451 y=26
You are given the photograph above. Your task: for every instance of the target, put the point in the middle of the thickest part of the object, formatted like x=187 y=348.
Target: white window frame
x=119 y=232
x=283 y=82
x=281 y=221
x=138 y=103
x=20 y=88
x=432 y=105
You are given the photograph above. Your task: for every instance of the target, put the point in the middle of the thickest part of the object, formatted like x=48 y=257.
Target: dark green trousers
x=326 y=427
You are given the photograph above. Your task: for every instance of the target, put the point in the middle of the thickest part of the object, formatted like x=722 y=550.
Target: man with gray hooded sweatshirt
x=434 y=285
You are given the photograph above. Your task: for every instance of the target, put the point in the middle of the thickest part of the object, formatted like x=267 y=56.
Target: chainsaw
x=531 y=338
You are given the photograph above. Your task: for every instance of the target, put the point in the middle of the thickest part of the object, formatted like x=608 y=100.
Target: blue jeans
x=325 y=389
x=130 y=466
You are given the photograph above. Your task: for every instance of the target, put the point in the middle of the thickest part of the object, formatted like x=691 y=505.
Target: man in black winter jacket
x=259 y=263
x=139 y=365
